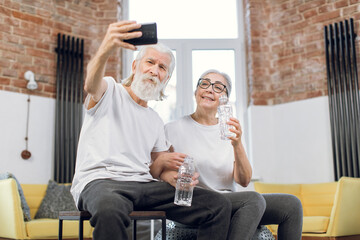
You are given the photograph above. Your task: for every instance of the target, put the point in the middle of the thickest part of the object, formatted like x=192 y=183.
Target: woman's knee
x=287 y=204
x=296 y=205
x=249 y=199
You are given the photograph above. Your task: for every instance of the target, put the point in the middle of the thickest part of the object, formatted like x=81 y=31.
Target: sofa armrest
x=11 y=217
x=345 y=214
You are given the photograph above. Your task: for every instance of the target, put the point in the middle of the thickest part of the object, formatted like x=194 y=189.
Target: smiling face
x=208 y=99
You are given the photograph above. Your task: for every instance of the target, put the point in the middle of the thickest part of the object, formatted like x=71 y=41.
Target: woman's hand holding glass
x=236 y=128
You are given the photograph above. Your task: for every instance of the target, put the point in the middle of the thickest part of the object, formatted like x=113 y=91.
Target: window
x=187 y=19
x=203 y=34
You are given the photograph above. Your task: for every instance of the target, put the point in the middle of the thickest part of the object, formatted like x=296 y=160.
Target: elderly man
x=120 y=133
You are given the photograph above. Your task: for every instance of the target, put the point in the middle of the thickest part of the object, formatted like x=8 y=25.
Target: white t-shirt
x=214 y=158
x=116 y=140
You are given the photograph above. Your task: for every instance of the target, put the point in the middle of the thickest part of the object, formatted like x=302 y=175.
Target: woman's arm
x=242 y=168
x=165 y=161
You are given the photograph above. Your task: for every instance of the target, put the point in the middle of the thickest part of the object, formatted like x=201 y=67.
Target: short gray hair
x=224 y=75
x=160 y=48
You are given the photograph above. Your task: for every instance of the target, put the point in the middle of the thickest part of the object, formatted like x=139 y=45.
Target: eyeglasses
x=205 y=83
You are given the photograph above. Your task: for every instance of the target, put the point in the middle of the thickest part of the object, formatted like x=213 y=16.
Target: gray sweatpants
x=282 y=209
x=110 y=203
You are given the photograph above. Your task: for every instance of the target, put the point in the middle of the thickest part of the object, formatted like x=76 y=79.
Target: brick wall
x=285 y=54
x=28 y=38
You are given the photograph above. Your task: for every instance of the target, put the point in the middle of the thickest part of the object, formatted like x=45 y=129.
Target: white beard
x=144 y=89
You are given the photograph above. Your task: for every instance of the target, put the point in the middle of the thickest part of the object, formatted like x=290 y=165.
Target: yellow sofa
x=331 y=210
x=12 y=224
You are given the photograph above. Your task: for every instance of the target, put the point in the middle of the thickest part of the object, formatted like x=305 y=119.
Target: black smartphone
x=149 y=35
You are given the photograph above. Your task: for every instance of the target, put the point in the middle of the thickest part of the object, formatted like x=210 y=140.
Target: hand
x=236 y=128
x=172 y=176
x=171 y=160
x=116 y=33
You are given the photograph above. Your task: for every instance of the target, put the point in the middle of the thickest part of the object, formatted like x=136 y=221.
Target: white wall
x=291 y=143
x=13 y=112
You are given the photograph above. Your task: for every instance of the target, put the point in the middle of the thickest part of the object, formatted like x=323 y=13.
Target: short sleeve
x=103 y=102
x=162 y=144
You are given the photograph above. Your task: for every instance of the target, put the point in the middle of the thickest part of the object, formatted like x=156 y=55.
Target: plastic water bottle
x=224 y=114
x=184 y=189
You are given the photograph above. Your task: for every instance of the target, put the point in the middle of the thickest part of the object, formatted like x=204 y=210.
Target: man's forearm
x=94 y=77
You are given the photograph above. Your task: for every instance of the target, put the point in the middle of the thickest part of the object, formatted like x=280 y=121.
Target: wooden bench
x=135 y=215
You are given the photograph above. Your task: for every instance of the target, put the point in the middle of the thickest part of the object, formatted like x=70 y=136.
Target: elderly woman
x=223 y=163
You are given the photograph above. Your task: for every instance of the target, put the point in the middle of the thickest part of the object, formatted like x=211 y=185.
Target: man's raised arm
x=115 y=34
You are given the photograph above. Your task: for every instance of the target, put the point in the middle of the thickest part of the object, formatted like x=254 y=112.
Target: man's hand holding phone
x=149 y=35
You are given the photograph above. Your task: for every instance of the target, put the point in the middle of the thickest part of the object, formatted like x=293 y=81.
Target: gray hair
x=224 y=75
x=160 y=48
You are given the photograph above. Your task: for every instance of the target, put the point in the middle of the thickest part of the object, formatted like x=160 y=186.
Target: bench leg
x=163 y=232
x=134 y=230
x=81 y=229
x=60 y=229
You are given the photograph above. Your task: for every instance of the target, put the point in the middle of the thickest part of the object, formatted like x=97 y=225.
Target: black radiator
x=69 y=98
x=343 y=91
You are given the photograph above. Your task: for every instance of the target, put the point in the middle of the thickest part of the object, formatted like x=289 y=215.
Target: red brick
x=326 y=16
x=312 y=4
x=44 y=46
x=24 y=59
x=11 y=38
x=19 y=83
x=341 y=4
x=326 y=8
x=28 y=35
x=349 y=11
x=12 y=5
x=9 y=72
x=8 y=55
x=5 y=28
x=5 y=11
x=62 y=27
x=28 y=42
x=310 y=13
x=12 y=21
x=39 y=53
x=49 y=88
x=4 y=81
x=27 y=17
x=43 y=13
x=15 y=48
x=4 y=63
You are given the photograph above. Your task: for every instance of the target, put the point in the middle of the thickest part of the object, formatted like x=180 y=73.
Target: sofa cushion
x=318 y=199
x=49 y=229
x=57 y=198
x=315 y=224
x=24 y=205
x=294 y=189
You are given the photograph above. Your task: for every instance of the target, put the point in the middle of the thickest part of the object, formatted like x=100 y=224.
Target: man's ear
x=133 y=67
